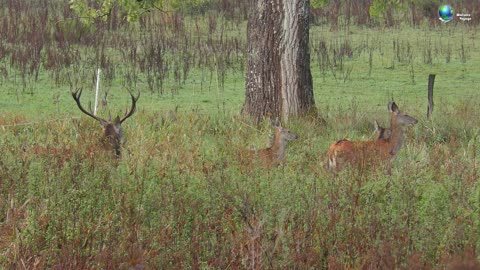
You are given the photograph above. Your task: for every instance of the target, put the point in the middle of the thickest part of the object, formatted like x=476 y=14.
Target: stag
x=112 y=130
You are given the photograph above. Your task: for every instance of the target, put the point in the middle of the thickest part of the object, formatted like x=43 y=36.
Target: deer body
x=274 y=155
x=371 y=153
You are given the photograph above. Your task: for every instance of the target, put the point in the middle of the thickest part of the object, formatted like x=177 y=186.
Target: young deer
x=112 y=131
x=366 y=153
x=275 y=154
x=381 y=133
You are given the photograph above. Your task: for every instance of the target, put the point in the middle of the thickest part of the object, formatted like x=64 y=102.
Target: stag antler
x=76 y=96
x=132 y=110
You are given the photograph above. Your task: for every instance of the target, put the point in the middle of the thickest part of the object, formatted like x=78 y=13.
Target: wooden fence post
x=96 y=92
x=431 y=81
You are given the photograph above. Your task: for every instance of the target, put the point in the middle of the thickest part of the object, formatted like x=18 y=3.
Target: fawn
x=275 y=154
x=382 y=150
x=381 y=133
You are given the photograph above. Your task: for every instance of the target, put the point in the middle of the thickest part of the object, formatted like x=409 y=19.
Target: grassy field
x=181 y=197
x=342 y=75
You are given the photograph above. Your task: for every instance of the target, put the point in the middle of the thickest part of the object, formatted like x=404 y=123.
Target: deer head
x=398 y=118
x=380 y=132
x=112 y=130
x=398 y=123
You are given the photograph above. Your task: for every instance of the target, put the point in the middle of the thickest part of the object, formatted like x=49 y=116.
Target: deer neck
x=396 y=139
x=278 y=147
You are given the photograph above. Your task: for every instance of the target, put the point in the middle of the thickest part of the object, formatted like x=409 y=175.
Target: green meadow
x=360 y=65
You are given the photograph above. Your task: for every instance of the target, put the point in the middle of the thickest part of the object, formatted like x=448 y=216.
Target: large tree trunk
x=278 y=80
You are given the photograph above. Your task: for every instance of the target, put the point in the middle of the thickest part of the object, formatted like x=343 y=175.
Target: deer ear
x=392 y=107
x=273 y=122
x=277 y=122
x=375 y=124
x=117 y=121
x=103 y=122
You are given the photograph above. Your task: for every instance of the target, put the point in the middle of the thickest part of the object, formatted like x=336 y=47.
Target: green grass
x=389 y=78
x=180 y=196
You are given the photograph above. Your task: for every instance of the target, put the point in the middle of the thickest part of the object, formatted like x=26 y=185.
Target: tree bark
x=278 y=80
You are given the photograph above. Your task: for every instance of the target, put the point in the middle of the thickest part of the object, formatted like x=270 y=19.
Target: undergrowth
x=181 y=198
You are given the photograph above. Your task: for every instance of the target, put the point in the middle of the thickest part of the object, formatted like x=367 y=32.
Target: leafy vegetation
x=180 y=196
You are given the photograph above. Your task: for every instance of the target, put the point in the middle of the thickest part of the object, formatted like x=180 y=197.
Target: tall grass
x=181 y=197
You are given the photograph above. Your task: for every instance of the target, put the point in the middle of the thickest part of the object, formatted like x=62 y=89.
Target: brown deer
x=112 y=130
x=275 y=154
x=381 y=133
x=370 y=153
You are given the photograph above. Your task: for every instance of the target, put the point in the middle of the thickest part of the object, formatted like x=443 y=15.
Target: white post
x=96 y=92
